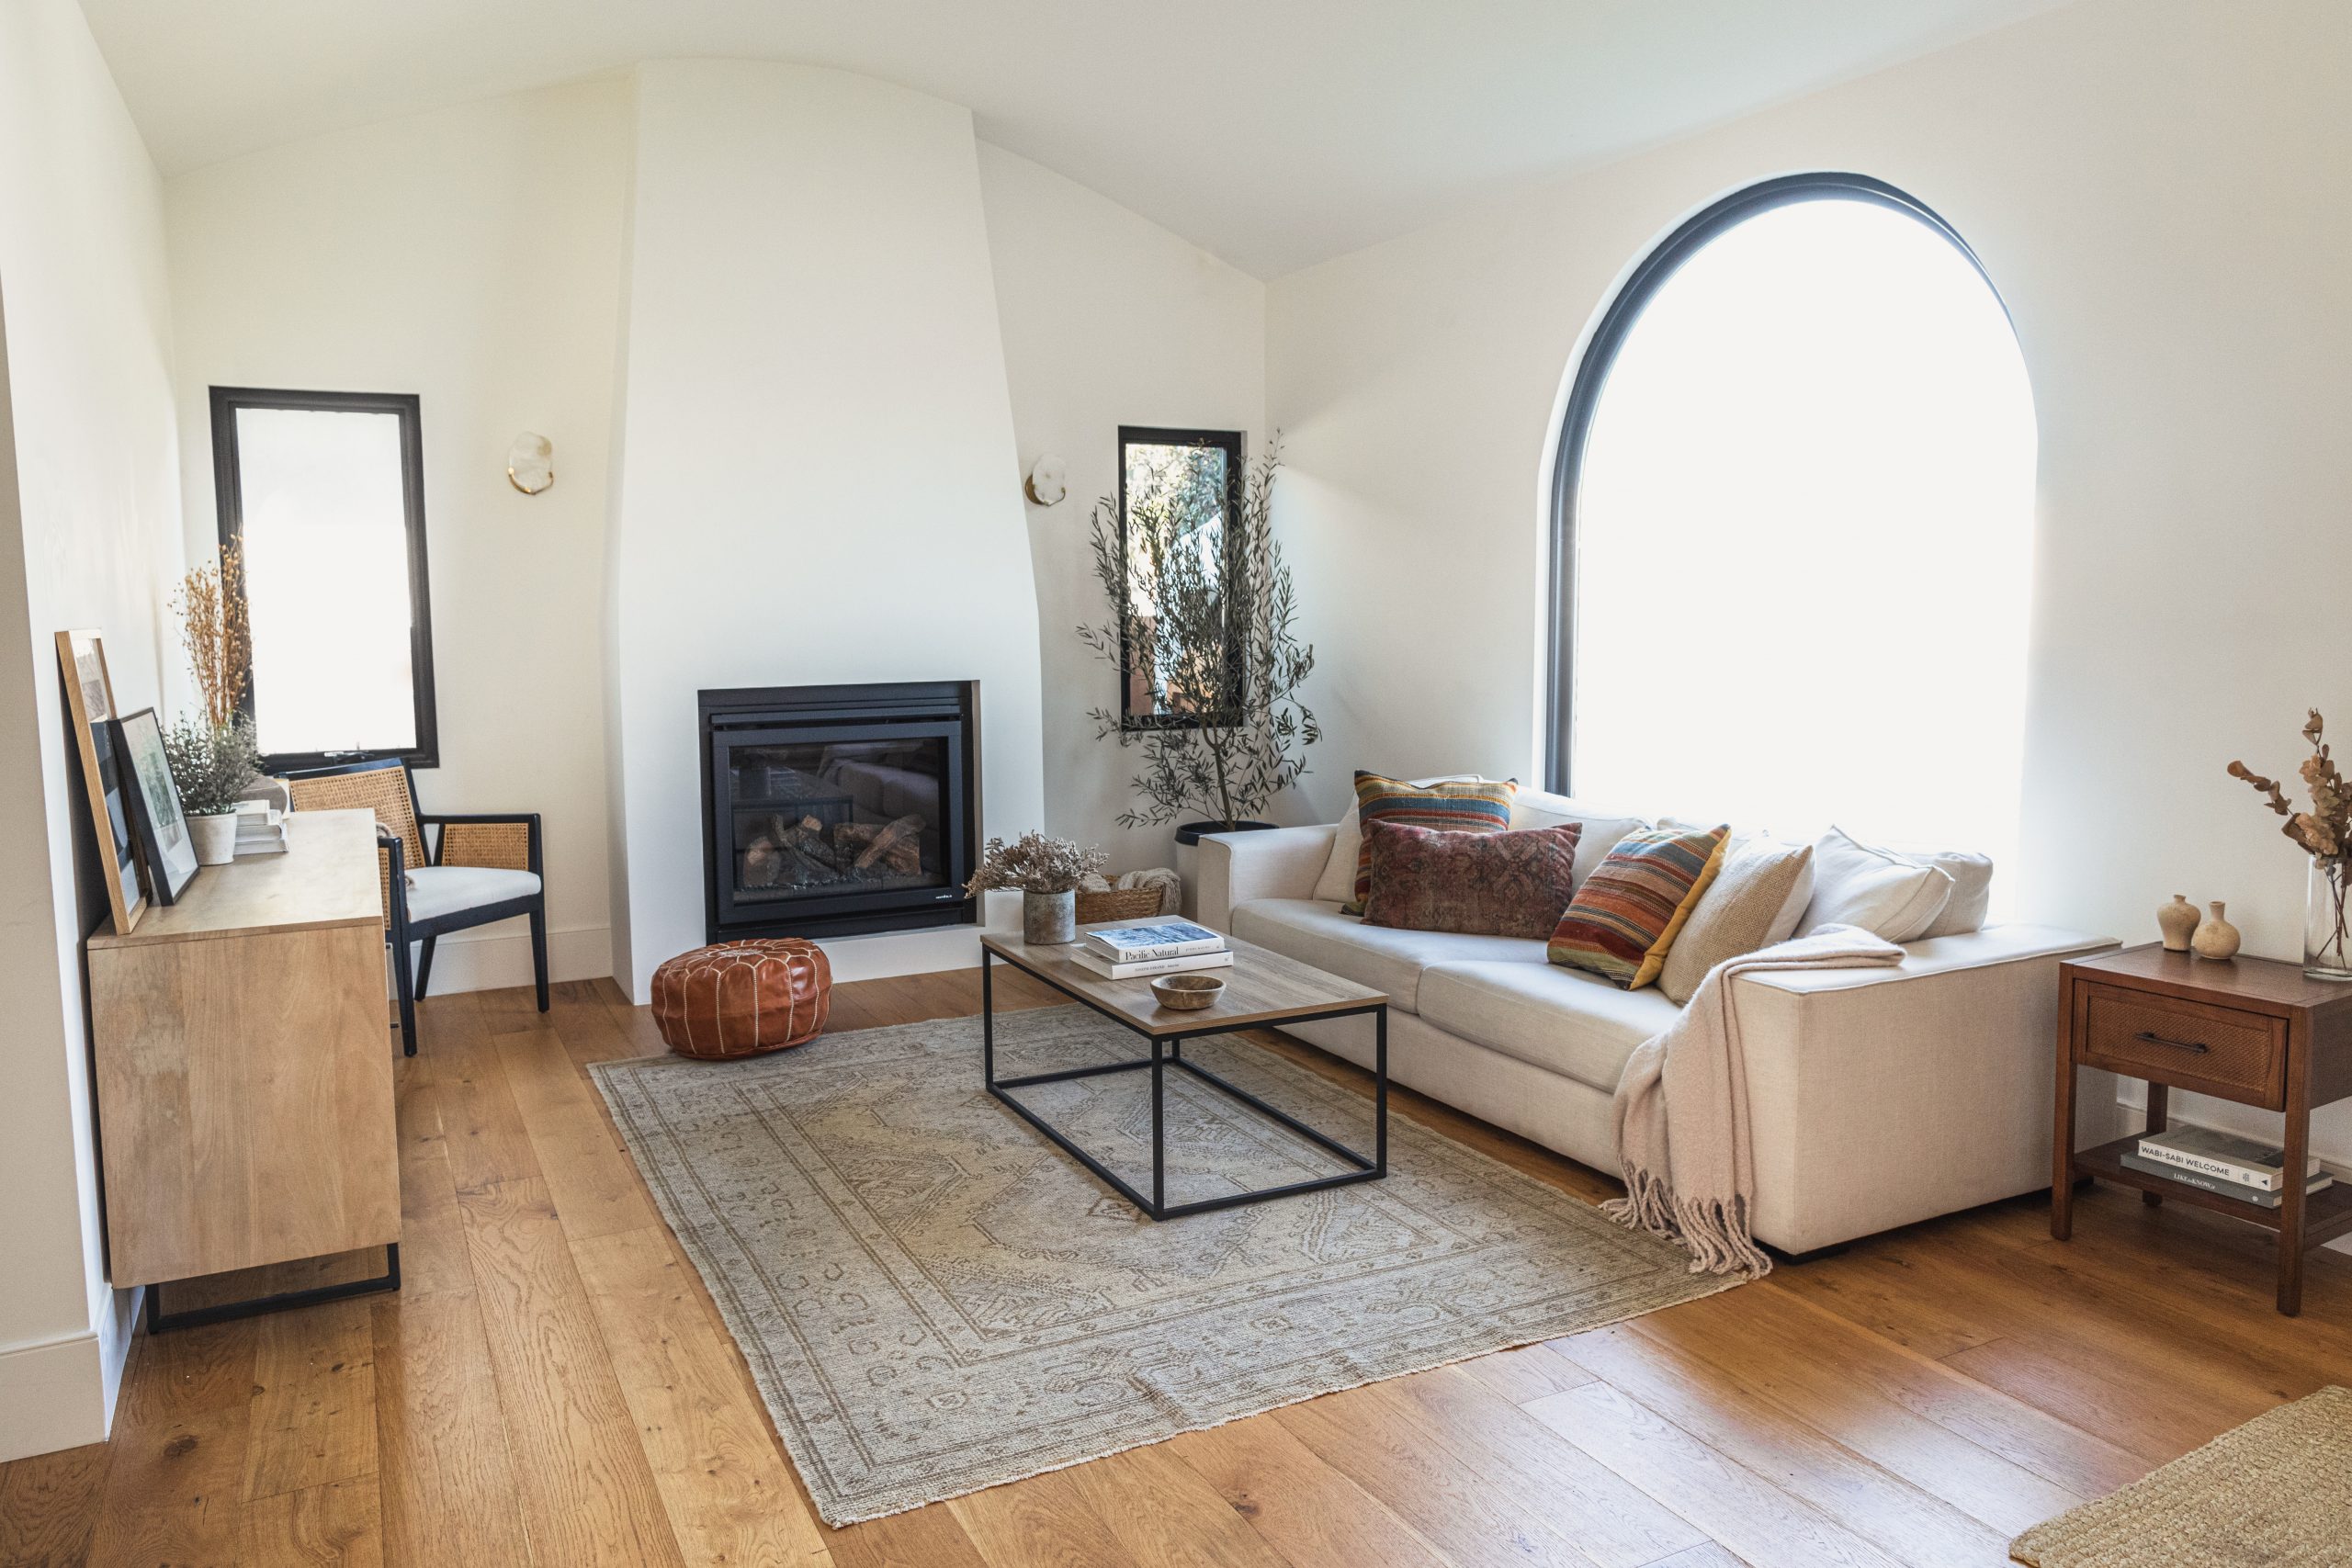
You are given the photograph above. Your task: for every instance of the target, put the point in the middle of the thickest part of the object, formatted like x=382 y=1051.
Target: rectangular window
x=322 y=496
x=1176 y=488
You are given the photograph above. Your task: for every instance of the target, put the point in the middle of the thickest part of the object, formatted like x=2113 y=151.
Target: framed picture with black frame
x=153 y=801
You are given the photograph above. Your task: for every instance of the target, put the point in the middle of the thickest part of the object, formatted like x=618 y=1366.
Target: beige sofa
x=1878 y=1097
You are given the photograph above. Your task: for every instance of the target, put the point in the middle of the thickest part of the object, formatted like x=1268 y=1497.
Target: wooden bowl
x=1187 y=992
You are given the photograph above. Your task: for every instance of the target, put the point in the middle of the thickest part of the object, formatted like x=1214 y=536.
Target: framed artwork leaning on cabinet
x=89 y=702
x=165 y=842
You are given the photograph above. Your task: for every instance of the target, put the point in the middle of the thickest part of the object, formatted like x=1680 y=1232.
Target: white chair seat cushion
x=437 y=890
x=1384 y=957
x=1561 y=1020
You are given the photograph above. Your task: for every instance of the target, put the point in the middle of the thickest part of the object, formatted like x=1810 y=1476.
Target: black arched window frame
x=1600 y=357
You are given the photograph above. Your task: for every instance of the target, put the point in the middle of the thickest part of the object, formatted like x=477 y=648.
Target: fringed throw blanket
x=1682 y=1131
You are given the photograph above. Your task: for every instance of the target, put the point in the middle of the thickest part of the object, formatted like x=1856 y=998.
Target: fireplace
x=831 y=810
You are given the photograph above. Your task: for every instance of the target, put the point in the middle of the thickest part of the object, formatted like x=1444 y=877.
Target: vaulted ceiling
x=1275 y=133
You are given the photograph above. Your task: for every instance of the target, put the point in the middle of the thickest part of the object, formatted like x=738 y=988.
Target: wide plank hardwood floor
x=553 y=1387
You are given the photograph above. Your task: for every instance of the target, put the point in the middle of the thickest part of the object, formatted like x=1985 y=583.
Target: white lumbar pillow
x=1890 y=896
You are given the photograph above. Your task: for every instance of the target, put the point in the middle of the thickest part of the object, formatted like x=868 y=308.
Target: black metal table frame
x=1370 y=1167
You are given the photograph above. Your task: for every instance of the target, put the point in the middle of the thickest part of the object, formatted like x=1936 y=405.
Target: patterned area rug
x=2276 y=1492
x=934 y=1299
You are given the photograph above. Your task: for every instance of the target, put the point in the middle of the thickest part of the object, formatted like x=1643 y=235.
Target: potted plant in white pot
x=214 y=754
x=211 y=764
x=1046 y=872
x=1203 y=616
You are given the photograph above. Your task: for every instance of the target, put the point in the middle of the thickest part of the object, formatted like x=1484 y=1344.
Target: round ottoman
x=743 y=998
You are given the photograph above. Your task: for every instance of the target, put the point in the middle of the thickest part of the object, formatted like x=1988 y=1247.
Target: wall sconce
x=1049 y=480
x=530 y=463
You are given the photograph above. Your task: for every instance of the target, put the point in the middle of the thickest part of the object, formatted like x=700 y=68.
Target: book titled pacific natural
x=1147 y=966
x=1153 y=941
x=2224 y=1156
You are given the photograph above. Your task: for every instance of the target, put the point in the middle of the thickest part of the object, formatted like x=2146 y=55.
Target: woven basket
x=1117 y=903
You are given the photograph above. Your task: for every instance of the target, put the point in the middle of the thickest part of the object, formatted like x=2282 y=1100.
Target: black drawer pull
x=2175 y=1044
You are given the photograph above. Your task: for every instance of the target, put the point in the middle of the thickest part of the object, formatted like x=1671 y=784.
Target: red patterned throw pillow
x=1508 y=884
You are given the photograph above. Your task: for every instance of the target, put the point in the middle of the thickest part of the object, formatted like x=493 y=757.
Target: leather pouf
x=743 y=998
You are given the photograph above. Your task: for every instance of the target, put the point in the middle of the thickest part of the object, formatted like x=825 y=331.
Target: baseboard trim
x=54 y=1393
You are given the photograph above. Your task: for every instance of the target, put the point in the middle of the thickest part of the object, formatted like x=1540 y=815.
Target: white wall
x=2160 y=190
x=471 y=256
x=1108 y=320
x=89 y=537
x=818 y=471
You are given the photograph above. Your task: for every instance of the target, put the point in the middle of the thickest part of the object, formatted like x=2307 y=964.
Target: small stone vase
x=2177 y=920
x=1049 y=918
x=2215 y=937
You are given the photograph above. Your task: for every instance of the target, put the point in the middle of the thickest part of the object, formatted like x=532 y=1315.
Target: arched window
x=1794 y=514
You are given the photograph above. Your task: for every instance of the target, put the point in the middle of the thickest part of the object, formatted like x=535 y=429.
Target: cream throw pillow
x=1894 y=898
x=1755 y=902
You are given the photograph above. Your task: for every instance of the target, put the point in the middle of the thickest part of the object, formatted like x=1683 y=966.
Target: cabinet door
x=244 y=1100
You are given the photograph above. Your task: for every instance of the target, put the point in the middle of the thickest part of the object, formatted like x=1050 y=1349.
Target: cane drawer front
x=2221 y=1051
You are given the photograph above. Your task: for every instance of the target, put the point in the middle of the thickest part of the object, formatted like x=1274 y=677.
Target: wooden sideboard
x=245 y=1070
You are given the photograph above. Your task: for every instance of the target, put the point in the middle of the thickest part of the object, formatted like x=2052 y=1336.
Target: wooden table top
x=2258 y=985
x=326 y=878
x=1261 y=985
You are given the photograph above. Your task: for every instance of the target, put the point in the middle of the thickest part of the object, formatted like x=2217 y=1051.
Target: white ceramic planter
x=215 y=838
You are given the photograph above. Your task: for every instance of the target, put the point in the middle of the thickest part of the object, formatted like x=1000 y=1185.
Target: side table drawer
x=2238 y=1056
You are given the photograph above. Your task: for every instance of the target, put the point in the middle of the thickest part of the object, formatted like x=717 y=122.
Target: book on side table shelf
x=1155 y=947
x=2221 y=1157
x=2257 y=1196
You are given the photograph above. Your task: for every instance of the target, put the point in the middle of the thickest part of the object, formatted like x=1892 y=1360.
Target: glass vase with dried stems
x=2324 y=834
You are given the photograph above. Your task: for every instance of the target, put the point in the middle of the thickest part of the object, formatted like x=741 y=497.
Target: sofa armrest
x=1941 y=956
x=1237 y=868
x=1882 y=1097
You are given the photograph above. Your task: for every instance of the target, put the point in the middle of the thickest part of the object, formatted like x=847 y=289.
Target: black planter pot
x=1191 y=833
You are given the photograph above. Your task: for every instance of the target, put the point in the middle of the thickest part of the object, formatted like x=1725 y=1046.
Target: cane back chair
x=475 y=868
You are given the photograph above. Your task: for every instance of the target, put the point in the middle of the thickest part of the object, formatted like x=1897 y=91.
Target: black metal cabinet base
x=159 y=1321
x=1368 y=1168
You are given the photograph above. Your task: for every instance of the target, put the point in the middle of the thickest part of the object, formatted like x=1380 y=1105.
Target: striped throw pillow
x=1624 y=919
x=1462 y=806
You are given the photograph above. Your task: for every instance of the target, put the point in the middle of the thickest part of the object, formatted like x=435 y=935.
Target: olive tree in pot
x=1202 y=620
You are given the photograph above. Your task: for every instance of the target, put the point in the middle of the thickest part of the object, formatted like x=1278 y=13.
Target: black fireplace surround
x=832 y=810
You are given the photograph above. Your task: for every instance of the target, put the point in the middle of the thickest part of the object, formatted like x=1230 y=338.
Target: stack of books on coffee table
x=2234 y=1166
x=1151 y=947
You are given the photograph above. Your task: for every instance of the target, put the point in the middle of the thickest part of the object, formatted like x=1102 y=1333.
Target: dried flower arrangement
x=2325 y=833
x=213 y=629
x=214 y=754
x=1035 y=862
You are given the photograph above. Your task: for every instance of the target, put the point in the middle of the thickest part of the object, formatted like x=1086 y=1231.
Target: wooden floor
x=553 y=1387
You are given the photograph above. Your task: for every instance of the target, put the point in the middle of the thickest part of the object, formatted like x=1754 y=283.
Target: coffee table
x=1261 y=987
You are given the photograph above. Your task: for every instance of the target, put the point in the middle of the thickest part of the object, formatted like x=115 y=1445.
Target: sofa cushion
x=1314 y=932
x=1887 y=894
x=1627 y=914
x=1457 y=806
x=1564 y=1021
x=1755 y=902
x=1508 y=884
x=1601 y=827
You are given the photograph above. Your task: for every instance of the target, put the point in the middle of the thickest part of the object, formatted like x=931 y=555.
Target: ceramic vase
x=1049 y=918
x=2215 y=937
x=2177 y=920
x=215 y=838
x=2327 y=938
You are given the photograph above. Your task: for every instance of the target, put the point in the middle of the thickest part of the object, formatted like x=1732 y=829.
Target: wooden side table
x=2249 y=1030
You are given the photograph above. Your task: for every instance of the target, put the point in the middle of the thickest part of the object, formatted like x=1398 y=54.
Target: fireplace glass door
x=819 y=819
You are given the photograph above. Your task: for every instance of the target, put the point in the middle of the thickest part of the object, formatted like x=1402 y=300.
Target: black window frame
x=229 y=500
x=1600 y=356
x=1234 y=445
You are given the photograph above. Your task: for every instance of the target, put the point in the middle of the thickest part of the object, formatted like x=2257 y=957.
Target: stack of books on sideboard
x=2222 y=1162
x=1152 y=947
